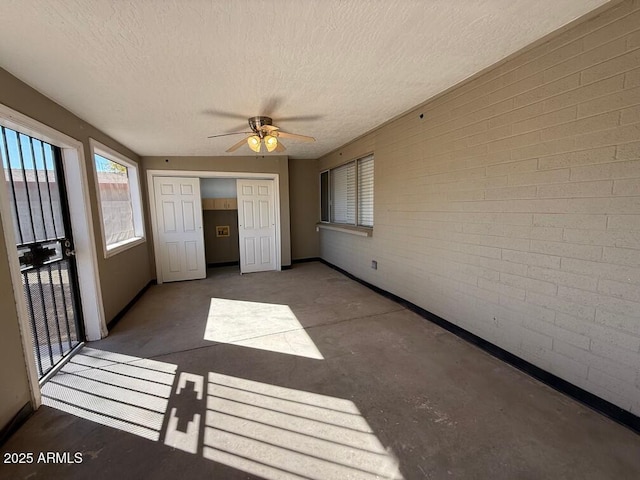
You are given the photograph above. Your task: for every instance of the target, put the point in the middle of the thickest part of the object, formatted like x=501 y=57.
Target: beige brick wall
x=512 y=208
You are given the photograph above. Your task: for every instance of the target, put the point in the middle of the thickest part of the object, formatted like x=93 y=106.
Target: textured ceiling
x=160 y=76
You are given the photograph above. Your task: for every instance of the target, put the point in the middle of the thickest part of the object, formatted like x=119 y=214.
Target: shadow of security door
x=33 y=172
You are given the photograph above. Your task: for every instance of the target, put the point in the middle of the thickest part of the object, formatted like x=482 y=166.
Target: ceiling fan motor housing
x=256 y=124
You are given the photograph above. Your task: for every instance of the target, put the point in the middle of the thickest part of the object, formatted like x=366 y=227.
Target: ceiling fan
x=263 y=131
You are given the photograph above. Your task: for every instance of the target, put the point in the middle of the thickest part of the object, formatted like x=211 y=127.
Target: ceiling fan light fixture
x=262 y=129
x=270 y=142
x=254 y=143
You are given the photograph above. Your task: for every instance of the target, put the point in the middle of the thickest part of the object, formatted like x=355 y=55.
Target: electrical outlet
x=374 y=264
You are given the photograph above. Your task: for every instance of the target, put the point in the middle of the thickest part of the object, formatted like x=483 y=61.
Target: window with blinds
x=346 y=193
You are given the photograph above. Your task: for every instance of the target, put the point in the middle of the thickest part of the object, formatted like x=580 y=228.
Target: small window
x=346 y=193
x=119 y=196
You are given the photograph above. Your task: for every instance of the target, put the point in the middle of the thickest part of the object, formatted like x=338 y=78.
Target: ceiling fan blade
x=269 y=128
x=223 y=114
x=280 y=147
x=237 y=145
x=269 y=107
x=295 y=136
x=237 y=128
x=300 y=118
x=227 y=134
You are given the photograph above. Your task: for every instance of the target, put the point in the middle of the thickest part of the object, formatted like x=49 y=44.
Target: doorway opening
x=220 y=221
x=71 y=169
x=44 y=246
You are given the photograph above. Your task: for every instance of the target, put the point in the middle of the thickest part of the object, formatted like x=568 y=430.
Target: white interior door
x=257 y=225
x=180 y=235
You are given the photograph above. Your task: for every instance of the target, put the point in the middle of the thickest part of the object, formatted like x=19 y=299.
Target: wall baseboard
x=283 y=267
x=16 y=422
x=589 y=399
x=222 y=264
x=300 y=260
x=114 y=321
x=306 y=260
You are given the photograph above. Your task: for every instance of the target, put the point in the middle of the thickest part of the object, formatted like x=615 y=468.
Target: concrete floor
x=304 y=374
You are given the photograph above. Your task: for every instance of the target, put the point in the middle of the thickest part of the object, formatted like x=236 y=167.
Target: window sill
x=351 y=229
x=120 y=247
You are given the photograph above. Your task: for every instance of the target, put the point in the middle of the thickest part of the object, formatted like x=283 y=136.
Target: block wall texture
x=512 y=209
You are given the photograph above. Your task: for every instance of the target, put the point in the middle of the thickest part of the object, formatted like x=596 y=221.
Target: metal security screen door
x=33 y=172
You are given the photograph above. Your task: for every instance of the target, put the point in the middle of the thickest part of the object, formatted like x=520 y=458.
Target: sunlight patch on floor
x=264 y=326
x=282 y=433
x=119 y=391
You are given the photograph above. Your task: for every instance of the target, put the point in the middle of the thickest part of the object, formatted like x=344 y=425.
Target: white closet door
x=257 y=225
x=180 y=233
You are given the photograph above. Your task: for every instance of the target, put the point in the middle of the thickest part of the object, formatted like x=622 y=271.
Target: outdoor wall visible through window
x=118 y=191
x=115 y=201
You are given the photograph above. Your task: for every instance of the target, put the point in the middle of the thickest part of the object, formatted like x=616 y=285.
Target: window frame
x=135 y=192
x=328 y=224
x=322 y=188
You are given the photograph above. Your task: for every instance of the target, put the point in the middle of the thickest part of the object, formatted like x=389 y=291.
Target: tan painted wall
x=221 y=249
x=512 y=208
x=14 y=383
x=121 y=276
x=305 y=204
x=256 y=164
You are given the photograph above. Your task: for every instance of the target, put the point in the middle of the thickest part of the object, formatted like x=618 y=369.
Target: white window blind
x=343 y=194
x=365 y=191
